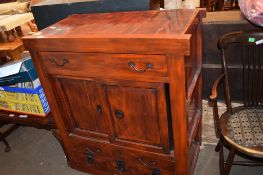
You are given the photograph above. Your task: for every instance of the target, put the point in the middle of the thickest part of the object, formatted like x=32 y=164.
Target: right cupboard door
x=140 y=116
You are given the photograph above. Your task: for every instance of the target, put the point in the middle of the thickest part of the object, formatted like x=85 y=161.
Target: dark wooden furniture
x=214 y=5
x=241 y=128
x=125 y=89
x=215 y=25
x=219 y=5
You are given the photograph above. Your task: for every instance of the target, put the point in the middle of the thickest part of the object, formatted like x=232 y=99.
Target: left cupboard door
x=84 y=107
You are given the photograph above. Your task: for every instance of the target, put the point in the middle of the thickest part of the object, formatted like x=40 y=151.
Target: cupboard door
x=86 y=108
x=140 y=116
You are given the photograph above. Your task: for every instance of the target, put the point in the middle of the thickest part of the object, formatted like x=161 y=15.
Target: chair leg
x=217 y=148
x=7 y=146
x=2 y=138
x=229 y=162
x=3 y=135
x=221 y=157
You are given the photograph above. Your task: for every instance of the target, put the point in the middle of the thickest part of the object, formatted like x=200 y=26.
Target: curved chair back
x=251 y=63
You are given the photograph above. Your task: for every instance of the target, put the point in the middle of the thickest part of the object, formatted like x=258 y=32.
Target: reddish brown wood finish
x=84 y=106
x=125 y=89
x=148 y=125
x=116 y=65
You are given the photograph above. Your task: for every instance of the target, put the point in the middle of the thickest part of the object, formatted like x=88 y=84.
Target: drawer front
x=120 y=66
x=133 y=158
x=109 y=165
x=93 y=163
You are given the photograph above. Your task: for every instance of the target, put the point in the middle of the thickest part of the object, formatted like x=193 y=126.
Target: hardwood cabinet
x=125 y=89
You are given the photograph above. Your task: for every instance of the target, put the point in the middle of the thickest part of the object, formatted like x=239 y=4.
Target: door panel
x=87 y=108
x=138 y=117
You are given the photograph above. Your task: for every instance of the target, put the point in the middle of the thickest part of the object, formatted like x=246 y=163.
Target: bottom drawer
x=137 y=158
x=93 y=163
x=98 y=165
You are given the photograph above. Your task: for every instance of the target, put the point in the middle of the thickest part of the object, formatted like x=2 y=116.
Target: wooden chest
x=125 y=89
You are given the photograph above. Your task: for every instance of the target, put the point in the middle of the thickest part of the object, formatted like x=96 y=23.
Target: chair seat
x=244 y=130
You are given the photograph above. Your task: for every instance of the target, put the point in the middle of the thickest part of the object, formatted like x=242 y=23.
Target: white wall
x=175 y=4
x=172 y=4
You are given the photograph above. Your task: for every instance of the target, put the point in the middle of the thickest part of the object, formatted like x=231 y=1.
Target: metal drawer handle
x=121 y=165
x=90 y=155
x=90 y=158
x=64 y=61
x=132 y=65
x=156 y=171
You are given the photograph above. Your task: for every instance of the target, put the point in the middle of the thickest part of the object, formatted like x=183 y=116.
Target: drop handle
x=133 y=67
x=90 y=159
x=119 y=114
x=156 y=171
x=90 y=155
x=60 y=63
x=121 y=165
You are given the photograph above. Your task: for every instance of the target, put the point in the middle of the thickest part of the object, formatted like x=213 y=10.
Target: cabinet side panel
x=193 y=78
x=194 y=95
x=191 y=62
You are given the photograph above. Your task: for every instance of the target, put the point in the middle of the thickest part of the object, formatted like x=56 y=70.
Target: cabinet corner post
x=176 y=74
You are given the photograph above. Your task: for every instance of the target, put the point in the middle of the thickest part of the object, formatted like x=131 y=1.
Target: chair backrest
x=250 y=44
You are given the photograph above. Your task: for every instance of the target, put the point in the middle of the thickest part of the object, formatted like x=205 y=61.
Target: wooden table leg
x=32 y=26
x=209 y=5
x=19 y=31
x=221 y=5
x=236 y=4
x=6 y=133
x=9 y=35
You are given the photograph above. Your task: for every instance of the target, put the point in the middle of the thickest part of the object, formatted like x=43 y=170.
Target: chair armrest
x=217 y=83
x=213 y=98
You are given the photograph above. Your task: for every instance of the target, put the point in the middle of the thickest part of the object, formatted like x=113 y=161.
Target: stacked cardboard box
x=20 y=89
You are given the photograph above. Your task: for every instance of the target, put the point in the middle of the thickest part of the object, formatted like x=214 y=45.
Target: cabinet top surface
x=119 y=24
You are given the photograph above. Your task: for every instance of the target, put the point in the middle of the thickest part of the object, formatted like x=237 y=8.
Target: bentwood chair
x=240 y=129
